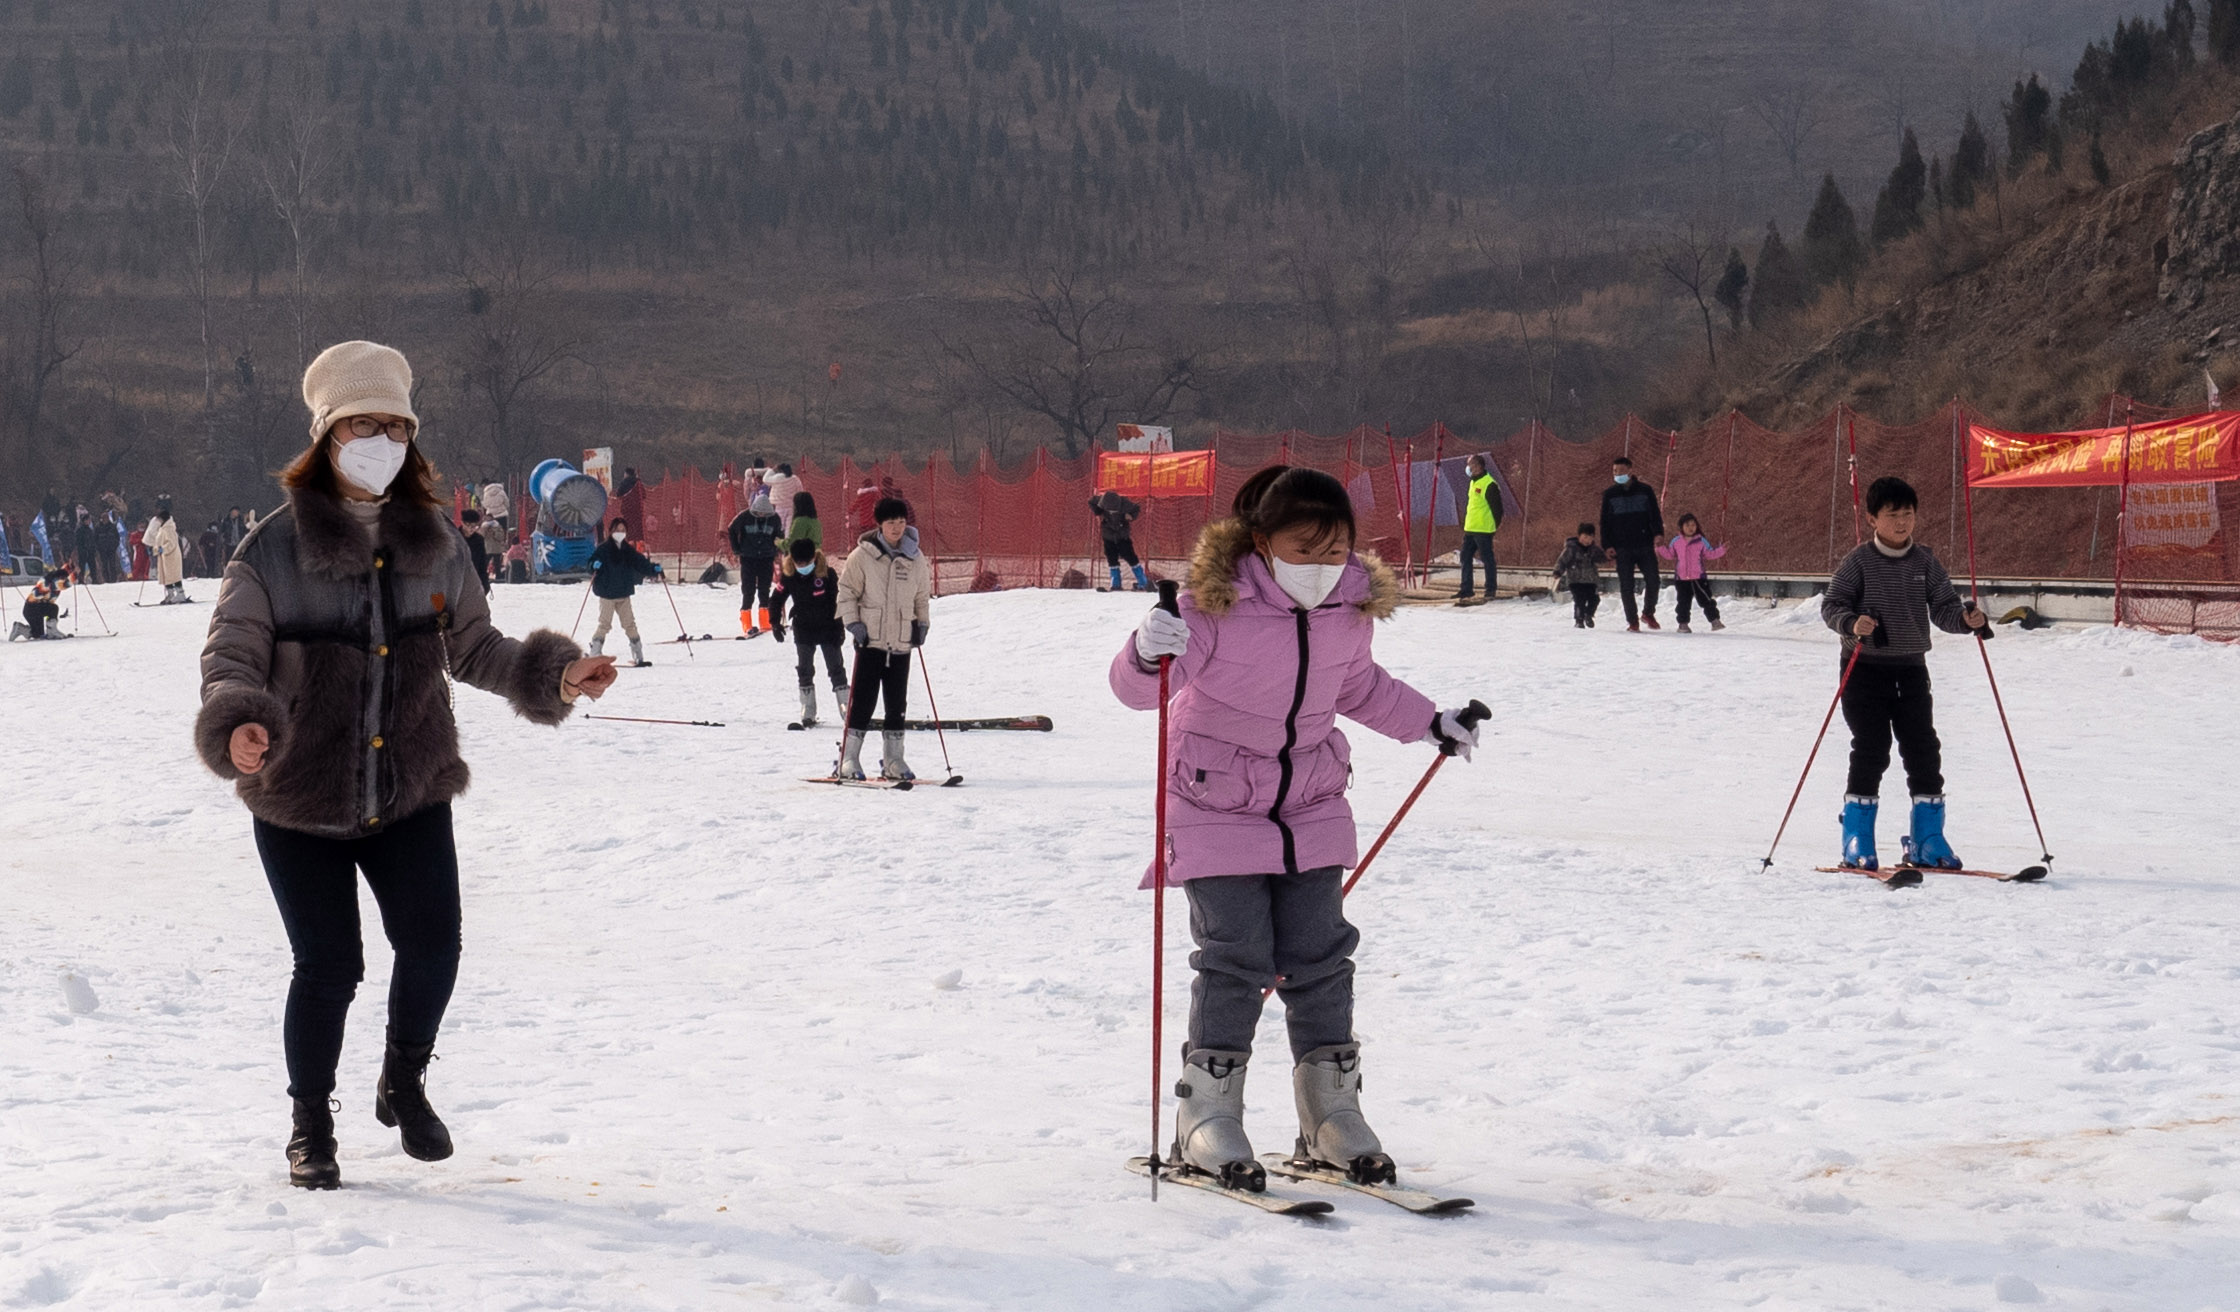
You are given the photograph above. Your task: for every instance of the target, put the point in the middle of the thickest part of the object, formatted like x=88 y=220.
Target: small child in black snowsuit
x=813 y=587
x=1579 y=568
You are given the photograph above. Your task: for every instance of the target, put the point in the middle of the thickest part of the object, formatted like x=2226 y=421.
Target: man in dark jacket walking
x=1116 y=517
x=1631 y=525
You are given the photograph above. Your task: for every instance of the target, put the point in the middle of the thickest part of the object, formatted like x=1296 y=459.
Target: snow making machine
x=571 y=510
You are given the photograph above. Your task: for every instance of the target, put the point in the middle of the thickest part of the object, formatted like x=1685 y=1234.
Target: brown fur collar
x=330 y=544
x=1226 y=542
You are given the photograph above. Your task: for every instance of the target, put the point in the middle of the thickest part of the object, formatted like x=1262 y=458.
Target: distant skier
x=162 y=541
x=1116 y=517
x=754 y=534
x=616 y=570
x=1259 y=832
x=1687 y=552
x=1883 y=598
x=1579 y=569
x=478 y=551
x=782 y=486
x=1631 y=525
x=212 y=545
x=813 y=588
x=1481 y=519
x=804 y=526
x=326 y=697
x=42 y=607
x=885 y=595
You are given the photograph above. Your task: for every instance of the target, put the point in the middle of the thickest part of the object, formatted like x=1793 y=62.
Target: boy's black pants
x=1885 y=700
x=754 y=582
x=879 y=672
x=39 y=616
x=805 y=660
x=1695 y=590
x=1586 y=599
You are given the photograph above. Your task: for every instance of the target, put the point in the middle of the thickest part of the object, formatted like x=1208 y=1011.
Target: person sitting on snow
x=1883 y=598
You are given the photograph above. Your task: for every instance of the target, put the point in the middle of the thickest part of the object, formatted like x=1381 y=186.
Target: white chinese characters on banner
x=2171 y=515
x=1137 y=439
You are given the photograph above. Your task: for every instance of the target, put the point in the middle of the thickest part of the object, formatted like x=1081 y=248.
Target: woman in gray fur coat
x=326 y=698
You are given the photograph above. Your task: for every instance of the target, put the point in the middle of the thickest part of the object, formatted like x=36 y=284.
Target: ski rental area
x=726 y=1038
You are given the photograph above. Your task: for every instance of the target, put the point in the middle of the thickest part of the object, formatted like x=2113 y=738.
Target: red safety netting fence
x=1784 y=501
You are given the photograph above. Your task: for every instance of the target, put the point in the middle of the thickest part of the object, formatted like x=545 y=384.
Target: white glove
x=1455 y=737
x=1162 y=633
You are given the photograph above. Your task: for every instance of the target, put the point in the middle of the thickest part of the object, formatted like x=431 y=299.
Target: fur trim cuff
x=227 y=708
x=534 y=688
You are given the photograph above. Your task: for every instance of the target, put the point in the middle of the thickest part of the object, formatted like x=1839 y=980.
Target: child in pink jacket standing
x=1687 y=553
x=1272 y=645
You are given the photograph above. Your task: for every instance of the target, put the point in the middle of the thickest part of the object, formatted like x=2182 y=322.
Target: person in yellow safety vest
x=1481 y=519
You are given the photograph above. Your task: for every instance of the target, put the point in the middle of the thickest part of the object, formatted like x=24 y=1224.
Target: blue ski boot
x=1925 y=846
x=1858 y=832
x=1143 y=580
x=1115 y=578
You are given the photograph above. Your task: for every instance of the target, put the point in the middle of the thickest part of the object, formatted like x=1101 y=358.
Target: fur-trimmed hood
x=1218 y=579
x=330 y=544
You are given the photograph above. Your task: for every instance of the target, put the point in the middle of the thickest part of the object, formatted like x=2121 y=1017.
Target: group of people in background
x=1631 y=534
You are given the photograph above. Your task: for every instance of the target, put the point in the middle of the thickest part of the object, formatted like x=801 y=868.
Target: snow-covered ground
x=701 y=1055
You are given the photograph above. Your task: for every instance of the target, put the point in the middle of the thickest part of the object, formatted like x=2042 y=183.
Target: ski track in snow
x=699 y=1056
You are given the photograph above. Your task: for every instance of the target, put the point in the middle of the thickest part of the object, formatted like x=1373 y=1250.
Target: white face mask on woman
x=620 y=536
x=1307 y=585
x=371 y=462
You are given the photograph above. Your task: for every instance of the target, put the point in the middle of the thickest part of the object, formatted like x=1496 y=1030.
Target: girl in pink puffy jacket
x=1687 y=553
x=1271 y=647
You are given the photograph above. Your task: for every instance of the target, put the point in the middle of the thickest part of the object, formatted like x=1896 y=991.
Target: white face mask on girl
x=620 y=536
x=371 y=462
x=1307 y=585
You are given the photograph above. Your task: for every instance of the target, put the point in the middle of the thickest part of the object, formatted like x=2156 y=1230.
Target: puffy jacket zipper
x=1283 y=757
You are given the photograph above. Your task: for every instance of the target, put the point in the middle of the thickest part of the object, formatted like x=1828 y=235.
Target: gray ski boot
x=1209 y=1120
x=851 y=756
x=638 y=653
x=892 y=765
x=808 y=706
x=595 y=648
x=1327 y=1086
x=840 y=702
x=19 y=632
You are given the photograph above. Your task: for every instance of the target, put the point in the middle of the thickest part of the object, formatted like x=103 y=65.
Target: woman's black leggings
x=879 y=671
x=413 y=869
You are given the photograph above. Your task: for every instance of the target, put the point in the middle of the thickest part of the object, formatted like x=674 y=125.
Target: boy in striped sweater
x=1883 y=599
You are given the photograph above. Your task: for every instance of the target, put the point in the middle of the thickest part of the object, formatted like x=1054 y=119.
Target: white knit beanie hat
x=357 y=378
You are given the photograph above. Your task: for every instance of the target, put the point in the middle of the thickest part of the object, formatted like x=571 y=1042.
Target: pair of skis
x=1018 y=723
x=1413 y=1200
x=891 y=785
x=1909 y=876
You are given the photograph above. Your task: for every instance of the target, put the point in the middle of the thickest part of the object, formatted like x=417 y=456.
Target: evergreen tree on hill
x=1971 y=165
x=1832 y=251
x=1779 y=285
x=1897 y=208
x=1733 y=285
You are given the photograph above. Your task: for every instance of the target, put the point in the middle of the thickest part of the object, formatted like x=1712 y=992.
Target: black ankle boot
x=311 y=1163
x=400 y=1101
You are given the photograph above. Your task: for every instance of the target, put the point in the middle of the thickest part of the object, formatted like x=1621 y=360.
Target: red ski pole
x=682 y=636
x=949 y=772
x=1168 y=601
x=1476 y=714
x=1825 y=720
x=579 y=610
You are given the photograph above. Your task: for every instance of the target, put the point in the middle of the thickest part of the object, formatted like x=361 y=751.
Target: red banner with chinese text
x=2201 y=448
x=1181 y=474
